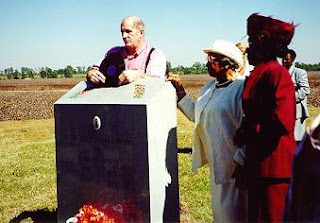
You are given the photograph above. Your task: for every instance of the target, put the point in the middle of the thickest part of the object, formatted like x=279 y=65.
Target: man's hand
x=128 y=76
x=95 y=76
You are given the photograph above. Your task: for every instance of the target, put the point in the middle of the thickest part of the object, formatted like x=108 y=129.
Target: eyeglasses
x=222 y=60
x=219 y=58
x=214 y=58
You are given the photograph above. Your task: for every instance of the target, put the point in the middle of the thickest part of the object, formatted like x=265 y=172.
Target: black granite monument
x=118 y=144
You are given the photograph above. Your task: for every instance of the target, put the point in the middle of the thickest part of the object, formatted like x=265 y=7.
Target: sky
x=57 y=33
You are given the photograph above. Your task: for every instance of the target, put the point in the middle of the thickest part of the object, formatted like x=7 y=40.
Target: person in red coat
x=269 y=116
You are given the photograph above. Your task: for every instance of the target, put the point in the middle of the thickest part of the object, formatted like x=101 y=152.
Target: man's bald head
x=136 y=22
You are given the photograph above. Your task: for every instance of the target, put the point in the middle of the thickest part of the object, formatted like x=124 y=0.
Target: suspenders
x=148 y=58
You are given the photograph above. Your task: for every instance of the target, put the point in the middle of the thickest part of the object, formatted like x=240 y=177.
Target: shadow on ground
x=38 y=216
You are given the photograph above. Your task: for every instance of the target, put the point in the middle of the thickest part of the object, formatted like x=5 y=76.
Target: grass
x=28 y=173
x=27 y=169
x=195 y=196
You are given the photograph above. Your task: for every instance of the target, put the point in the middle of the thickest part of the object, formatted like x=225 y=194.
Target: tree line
x=69 y=71
x=308 y=67
x=196 y=68
x=200 y=68
x=43 y=72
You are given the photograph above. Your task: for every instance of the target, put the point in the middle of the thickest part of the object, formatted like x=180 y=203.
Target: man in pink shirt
x=140 y=59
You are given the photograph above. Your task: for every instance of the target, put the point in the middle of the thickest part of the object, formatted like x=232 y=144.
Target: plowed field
x=33 y=99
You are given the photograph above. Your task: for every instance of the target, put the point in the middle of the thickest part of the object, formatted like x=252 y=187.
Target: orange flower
x=123 y=212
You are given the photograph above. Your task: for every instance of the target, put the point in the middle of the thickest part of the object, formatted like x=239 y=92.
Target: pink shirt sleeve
x=157 y=64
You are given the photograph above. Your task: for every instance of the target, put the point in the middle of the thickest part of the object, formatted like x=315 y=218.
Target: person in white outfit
x=217 y=114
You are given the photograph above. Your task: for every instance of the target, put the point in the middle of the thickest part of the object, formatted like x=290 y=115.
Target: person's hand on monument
x=176 y=82
x=128 y=76
x=95 y=76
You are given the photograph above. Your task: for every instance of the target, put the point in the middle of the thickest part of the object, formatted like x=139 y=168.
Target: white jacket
x=217 y=115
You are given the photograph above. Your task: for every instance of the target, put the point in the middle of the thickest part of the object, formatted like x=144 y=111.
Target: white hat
x=227 y=49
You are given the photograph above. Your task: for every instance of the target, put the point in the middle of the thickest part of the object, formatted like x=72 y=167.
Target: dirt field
x=33 y=99
x=38 y=84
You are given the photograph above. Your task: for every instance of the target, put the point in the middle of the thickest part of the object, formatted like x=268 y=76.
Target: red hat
x=276 y=30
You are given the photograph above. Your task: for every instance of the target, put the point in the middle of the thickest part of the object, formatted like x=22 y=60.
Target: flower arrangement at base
x=120 y=213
